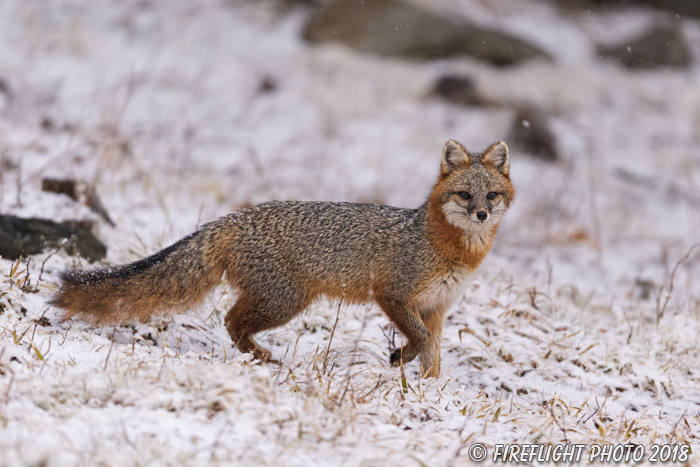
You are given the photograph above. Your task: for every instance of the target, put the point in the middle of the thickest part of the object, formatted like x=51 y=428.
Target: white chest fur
x=443 y=291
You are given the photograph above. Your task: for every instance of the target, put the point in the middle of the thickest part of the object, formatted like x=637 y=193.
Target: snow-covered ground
x=558 y=338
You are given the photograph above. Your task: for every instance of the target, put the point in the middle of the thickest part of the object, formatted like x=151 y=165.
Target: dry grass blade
x=111 y=345
x=43 y=263
x=661 y=309
x=36 y=323
x=27 y=280
x=9 y=388
x=13 y=269
x=335 y=324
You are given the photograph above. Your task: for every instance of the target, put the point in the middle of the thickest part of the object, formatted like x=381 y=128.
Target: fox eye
x=463 y=194
x=492 y=195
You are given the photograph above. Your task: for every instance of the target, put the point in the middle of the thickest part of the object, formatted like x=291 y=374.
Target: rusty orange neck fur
x=454 y=244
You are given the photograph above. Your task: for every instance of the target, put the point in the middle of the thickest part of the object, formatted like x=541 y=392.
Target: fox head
x=474 y=190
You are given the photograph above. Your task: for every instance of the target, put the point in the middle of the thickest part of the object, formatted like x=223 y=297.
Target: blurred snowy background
x=582 y=325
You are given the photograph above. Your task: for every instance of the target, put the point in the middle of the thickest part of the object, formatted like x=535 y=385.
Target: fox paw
x=395 y=357
x=263 y=355
x=405 y=354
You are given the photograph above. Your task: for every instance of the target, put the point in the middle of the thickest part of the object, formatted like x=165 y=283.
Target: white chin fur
x=457 y=216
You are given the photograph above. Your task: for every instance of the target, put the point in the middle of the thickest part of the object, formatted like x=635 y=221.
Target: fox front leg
x=430 y=354
x=409 y=322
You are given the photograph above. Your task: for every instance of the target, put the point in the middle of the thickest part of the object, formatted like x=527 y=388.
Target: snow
x=557 y=337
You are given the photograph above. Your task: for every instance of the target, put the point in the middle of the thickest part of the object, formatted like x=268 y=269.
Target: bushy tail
x=174 y=279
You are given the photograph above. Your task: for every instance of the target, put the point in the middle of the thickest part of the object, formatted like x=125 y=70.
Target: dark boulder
x=24 y=237
x=67 y=187
x=461 y=90
x=690 y=8
x=395 y=28
x=531 y=134
x=661 y=46
x=680 y=7
x=77 y=190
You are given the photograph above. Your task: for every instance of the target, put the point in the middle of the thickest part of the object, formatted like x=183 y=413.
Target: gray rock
x=661 y=46
x=5 y=89
x=24 y=237
x=531 y=134
x=679 y=7
x=77 y=190
x=461 y=90
x=689 y=8
x=395 y=28
x=66 y=187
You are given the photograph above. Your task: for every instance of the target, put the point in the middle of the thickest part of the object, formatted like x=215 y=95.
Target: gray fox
x=281 y=256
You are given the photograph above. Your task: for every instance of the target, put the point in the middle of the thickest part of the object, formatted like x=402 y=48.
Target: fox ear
x=497 y=157
x=453 y=156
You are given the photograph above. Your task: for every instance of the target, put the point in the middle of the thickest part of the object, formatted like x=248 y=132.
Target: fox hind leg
x=241 y=328
x=250 y=315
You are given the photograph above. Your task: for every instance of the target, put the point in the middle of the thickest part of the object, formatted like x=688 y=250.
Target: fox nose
x=482 y=215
